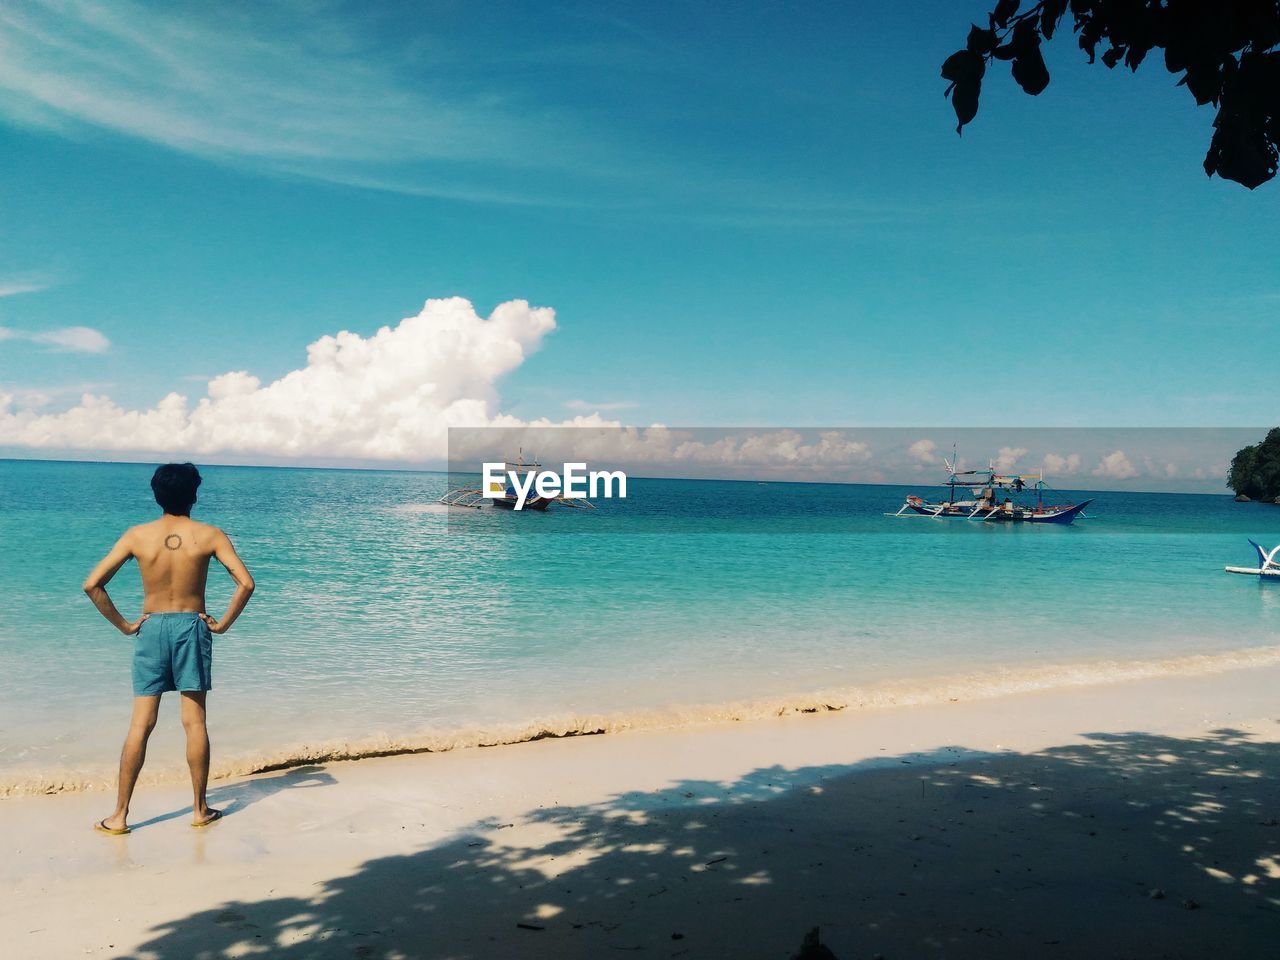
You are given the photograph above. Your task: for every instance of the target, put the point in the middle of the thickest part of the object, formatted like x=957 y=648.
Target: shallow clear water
x=379 y=614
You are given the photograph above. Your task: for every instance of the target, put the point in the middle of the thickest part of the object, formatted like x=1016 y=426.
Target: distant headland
x=1255 y=470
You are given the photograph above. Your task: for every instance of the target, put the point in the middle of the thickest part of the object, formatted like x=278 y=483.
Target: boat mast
x=954 y=464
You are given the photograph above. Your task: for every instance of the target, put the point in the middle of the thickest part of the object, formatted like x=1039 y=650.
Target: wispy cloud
x=586 y=406
x=300 y=90
x=34 y=398
x=72 y=339
x=12 y=286
x=279 y=85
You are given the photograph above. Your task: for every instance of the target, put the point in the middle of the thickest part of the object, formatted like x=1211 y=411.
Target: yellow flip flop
x=101 y=827
x=216 y=816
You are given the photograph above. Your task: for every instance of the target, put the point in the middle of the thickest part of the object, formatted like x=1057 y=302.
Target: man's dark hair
x=175 y=485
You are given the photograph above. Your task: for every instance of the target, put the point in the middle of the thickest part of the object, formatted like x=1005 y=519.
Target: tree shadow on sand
x=1130 y=845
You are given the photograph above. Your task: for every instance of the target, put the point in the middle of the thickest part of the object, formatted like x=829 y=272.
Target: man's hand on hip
x=212 y=624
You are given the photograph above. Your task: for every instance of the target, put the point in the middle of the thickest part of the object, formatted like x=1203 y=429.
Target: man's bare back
x=173 y=556
x=174 y=651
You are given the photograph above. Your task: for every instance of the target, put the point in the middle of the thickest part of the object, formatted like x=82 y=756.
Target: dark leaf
x=1050 y=14
x=1179 y=44
x=1091 y=35
x=1204 y=82
x=963 y=66
x=1030 y=71
x=1028 y=64
x=1003 y=11
x=1133 y=59
x=1005 y=51
x=1025 y=36
x=980 y=41
x=1240 y=151
x=964 y=100
x=1264 y=28
x=1113 y=56
x=1258 y=81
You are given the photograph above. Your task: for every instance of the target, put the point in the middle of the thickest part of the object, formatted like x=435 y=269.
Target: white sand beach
x=1135 y=819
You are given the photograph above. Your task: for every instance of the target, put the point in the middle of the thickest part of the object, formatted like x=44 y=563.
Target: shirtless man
x=173 y=646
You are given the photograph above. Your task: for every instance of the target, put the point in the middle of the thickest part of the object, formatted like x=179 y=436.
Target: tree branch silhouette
x=1224 y=50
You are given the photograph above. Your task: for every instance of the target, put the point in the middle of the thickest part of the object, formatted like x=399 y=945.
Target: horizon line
x=421 y=470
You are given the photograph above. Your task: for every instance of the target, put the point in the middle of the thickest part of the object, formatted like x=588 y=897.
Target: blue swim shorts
x=172 y=651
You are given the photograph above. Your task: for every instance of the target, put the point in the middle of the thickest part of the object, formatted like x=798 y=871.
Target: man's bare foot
x=207 y=817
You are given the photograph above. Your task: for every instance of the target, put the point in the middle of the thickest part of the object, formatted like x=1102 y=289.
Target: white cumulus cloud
x=923 y=450
x=1057 y=464
x=1115 y=466
x=389 y=396
x=1008 y=457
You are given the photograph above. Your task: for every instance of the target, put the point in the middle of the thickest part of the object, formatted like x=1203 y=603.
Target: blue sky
x=740 y=216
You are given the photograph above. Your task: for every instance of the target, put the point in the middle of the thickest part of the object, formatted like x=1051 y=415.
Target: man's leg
x=197 y=752
x=145 y=711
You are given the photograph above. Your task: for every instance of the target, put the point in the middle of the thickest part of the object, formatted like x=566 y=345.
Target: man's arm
x=228 y=557
x=96 y=585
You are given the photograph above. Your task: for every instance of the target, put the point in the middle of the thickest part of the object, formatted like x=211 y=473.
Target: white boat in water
x=1268 y=564
x=504 y=495
x=989 y=496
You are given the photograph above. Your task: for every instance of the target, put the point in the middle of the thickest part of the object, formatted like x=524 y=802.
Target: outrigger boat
x=980 y=499
x=504 y=495
x=1268 y=565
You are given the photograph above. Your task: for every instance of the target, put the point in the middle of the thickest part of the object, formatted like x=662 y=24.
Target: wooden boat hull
x=1061 y=515
x=533 y=503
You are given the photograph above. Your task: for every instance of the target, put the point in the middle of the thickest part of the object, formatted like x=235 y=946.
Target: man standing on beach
x=173 y=646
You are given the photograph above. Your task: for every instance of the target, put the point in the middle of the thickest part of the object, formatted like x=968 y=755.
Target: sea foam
x=988 y=684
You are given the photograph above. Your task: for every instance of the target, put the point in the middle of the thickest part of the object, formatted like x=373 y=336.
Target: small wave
x=901 y=693
x=431 y=507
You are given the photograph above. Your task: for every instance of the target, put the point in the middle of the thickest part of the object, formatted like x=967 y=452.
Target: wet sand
x=1133 y=819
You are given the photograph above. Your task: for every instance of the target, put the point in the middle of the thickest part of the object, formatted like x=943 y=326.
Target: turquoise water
x=383 y=619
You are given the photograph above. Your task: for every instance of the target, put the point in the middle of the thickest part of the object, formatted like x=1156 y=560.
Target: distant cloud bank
x=392 y=397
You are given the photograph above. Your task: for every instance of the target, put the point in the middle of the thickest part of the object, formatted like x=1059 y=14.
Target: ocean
x=383 y=622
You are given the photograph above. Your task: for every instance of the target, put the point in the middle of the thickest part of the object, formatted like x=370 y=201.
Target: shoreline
x=981 y=828
x=893 y=694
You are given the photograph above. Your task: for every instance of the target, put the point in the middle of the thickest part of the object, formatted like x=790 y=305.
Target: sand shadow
x=1130 y=845
x=236 y=797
